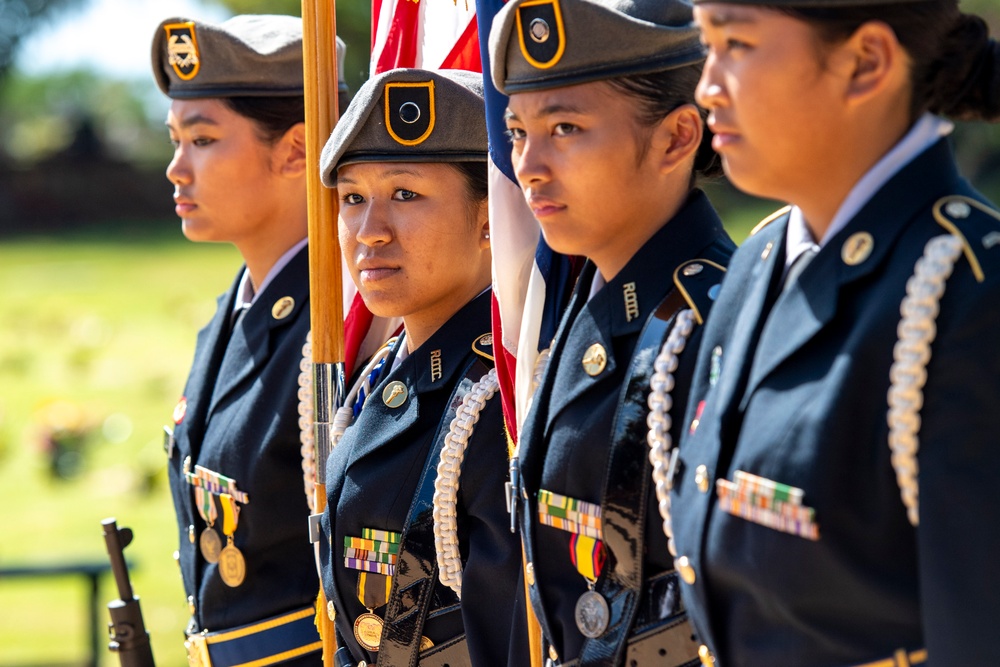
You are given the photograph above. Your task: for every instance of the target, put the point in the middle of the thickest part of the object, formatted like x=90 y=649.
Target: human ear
x=676 y=138
x=875 y=61
x=290 y=151
x=483 y=225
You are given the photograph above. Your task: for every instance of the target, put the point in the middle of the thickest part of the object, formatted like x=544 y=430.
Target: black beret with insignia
x=249 y=55
x=541 y=44
x=410 y=115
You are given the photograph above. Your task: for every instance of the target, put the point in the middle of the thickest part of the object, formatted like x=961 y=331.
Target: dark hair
x=272 y=115
x=477 y=182
x=660 y=93
x=956 y=65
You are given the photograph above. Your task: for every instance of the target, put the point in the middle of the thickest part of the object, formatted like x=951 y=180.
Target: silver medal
x=592 y=614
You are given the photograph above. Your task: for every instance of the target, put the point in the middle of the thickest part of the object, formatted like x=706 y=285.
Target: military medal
x=368 y=631
x=592 y=614
x=374 y=554
x=209 y=543
x=232 y=565
x=586 y=551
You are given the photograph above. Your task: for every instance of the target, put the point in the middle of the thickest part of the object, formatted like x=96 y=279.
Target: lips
x=370 y=271
x=724 y=135
x=183 y=205
x=542 y=206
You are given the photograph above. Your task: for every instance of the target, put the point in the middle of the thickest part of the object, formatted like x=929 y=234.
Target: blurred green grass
x=100 y=329
x=105 y=325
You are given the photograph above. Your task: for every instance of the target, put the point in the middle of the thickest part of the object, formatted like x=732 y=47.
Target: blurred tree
x=353 y=25
x=18 y=18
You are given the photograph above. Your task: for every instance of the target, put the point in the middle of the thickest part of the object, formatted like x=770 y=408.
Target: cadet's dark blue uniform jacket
x=242 y=421
x=800 y=399
x=566 y=442
x=372 y=476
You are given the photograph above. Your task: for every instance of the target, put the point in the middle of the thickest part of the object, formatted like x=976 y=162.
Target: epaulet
x=483 y=346
x=769 y=219
x=698 y=281
x=960 y=215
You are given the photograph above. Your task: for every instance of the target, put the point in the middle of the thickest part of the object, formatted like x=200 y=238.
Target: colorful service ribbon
x=376 y=551
x=768 y=503
x=583 y=521
x=216 y=483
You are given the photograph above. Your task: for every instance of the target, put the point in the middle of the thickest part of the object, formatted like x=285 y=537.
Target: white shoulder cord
x=446 y=484
x=341 y=420
x=658 y=420
x=908 y=374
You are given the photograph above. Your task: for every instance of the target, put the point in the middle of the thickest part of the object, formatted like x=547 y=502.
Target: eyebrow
x=547 y=111
x=724 y=18
x=197 y=119
x=399 y=171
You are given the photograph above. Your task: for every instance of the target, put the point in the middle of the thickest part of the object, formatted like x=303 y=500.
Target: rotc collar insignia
x=540 y=31
x=182 y=49
x=283 y=307
x=483 y=346
x=631 y=302
x=409 y=111
x=857 y=248
x=435 y=365
x=180 y=410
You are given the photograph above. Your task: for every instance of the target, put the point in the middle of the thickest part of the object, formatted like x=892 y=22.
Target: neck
x=421 y=326
x=611 y=259
x=821 y=198
x=262 y=250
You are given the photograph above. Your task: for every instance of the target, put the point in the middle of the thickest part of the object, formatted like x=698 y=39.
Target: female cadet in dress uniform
x=419 y=564
x=834 y=503
x=236 y=122
x=606 y=144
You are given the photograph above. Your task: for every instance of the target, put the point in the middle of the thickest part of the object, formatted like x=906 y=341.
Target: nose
x=530 y=162
x=179 y=171
x=374 y=224
x=710 y=92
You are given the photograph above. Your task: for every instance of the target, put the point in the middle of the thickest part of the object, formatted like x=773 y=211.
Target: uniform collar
x=627 y=301
x=434 y=364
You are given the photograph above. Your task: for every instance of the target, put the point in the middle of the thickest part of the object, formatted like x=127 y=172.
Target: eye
x=404 y=195
x=733 y=44
x=202 y=141
x=352 y=199
x=175 y=142
x=563 y=129
x=515 y=134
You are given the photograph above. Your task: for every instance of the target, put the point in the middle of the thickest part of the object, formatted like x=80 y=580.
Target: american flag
x=531 y=282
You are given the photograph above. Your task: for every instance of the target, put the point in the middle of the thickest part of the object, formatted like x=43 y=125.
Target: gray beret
x=250 y=55
x=540 y=44
x=410 y=115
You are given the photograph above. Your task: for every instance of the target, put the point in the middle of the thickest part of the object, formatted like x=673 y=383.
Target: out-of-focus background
x=101 y=298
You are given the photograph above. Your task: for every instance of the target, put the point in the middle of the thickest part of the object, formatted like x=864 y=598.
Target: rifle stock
x=127 y=631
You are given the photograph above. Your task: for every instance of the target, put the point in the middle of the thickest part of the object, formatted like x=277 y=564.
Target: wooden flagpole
x=319 y=51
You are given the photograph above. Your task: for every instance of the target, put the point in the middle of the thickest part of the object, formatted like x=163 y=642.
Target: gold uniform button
x=706 y=657
x=331 y=611
x=191 y=533
x=553 y=654
x=187 y=464
x=595 y=359
x=177 y=556
x=701 y=478
x=529 y=574
x=685 y=569
x=191 y=607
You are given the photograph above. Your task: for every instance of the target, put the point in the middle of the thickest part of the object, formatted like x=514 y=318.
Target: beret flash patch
x=540 y=31
x=409 y=111
x=182 y=49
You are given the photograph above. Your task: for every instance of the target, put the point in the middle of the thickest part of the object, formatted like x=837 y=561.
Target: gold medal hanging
x=232 y=566
x=209 y=542
x=373 y=592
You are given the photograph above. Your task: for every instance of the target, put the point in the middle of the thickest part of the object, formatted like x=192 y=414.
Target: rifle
x=127 y=631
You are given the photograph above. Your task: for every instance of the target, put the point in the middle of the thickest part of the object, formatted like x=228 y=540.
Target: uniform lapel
x=249 y=345
x=810 y=303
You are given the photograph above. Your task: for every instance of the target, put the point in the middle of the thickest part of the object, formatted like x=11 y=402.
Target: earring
x=486 y=236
